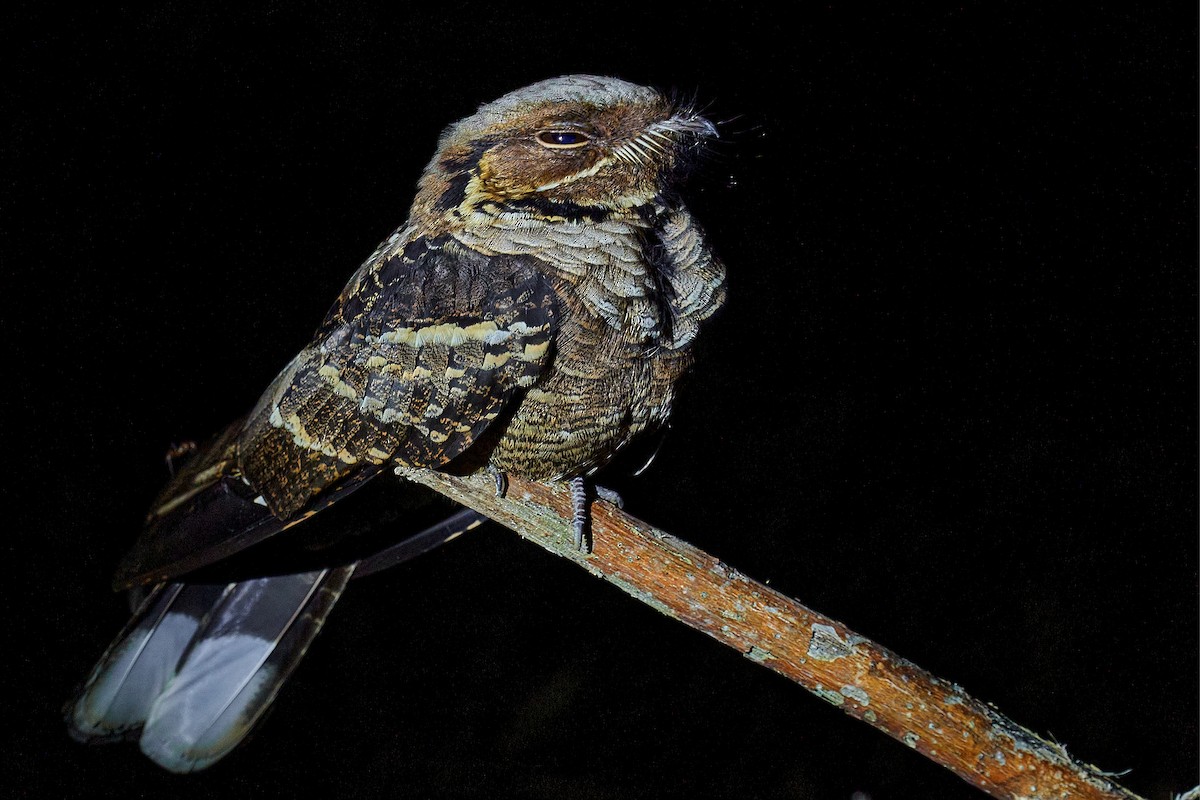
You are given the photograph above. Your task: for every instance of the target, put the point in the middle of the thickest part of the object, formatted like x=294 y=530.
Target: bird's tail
x=199 y=664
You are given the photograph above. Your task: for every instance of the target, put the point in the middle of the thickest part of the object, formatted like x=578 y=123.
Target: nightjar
x=531 y=317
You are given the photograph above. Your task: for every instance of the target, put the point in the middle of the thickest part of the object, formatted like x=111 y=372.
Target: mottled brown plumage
x=542 y=300
x=531 y=317
x=571 y=273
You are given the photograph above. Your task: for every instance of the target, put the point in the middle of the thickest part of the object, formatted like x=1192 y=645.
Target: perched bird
x=531 y=317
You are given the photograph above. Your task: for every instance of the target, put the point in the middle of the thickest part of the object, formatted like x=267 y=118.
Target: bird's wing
x=417 y=357
x=208 y=512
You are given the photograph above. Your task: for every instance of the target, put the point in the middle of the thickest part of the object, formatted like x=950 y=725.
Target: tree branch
x=933 y=716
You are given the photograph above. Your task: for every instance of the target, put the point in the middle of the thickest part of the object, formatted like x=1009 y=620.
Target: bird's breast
x=587 y=408
x=631 y=292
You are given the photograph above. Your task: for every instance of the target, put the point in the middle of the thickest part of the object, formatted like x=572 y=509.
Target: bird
x=532 y=316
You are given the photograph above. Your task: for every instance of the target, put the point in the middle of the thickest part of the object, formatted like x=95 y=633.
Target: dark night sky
x=952 y=402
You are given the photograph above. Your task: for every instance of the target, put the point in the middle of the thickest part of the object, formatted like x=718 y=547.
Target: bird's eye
x=562 y=140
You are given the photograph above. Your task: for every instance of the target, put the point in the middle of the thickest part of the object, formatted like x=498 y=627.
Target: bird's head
x=569 y=146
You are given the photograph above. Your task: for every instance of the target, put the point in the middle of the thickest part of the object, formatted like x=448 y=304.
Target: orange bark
x=932 y=716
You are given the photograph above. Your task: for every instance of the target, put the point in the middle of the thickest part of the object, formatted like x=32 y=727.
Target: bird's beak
x=689 y=124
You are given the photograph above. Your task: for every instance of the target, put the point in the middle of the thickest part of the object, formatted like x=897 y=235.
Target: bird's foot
x=610 y=496
x=501 y=481
x=580 y=518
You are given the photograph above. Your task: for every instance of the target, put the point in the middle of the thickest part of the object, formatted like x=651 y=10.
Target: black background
x=952 y=402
